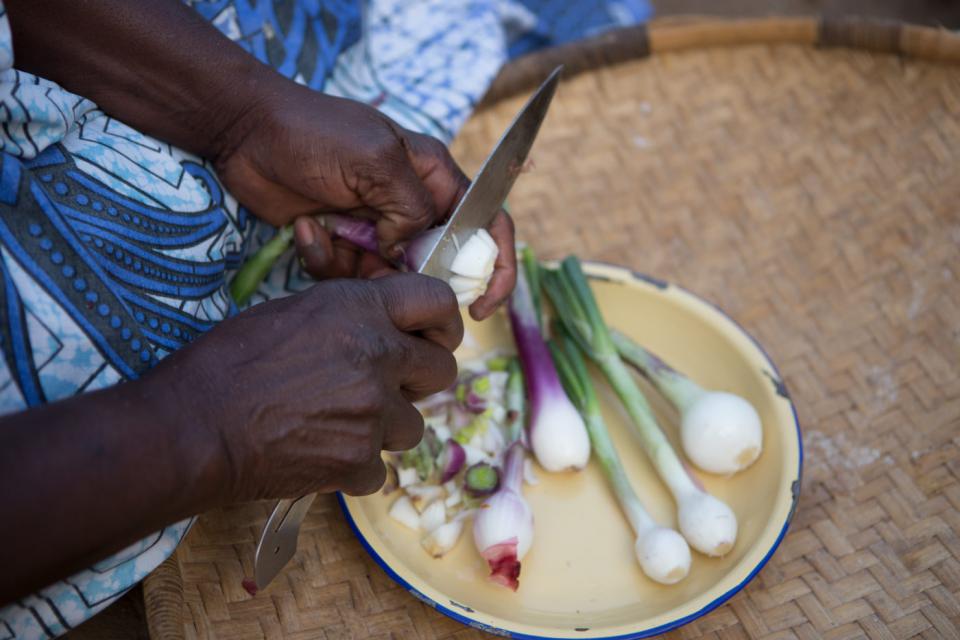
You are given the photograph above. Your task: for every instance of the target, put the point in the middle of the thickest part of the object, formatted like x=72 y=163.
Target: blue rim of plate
x=642 y=633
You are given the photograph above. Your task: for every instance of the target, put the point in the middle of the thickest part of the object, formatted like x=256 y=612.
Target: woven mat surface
x=812 y=194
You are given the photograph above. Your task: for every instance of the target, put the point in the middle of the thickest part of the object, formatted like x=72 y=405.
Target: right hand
x=304 y=392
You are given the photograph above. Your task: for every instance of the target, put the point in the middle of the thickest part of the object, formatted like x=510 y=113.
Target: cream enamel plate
x=580 y=579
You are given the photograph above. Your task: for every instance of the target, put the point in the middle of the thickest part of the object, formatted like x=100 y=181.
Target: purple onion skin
x=363 y=233
x=539 y=372
x=454 y=459
x=513 y=467
x=359 y=231
x=474 y=403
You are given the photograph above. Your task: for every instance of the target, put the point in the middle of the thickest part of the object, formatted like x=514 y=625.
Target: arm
x=82 y=478
x=283 y=150
x=292 y=396
x=156 y=65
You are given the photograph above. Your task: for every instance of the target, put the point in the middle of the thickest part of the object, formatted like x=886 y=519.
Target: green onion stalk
x=663 y=554
x=708 y=524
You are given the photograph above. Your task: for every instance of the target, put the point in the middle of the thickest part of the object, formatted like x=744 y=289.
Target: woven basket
x=807 y=180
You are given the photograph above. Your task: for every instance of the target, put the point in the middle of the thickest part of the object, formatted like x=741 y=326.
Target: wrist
x=237 y=108
x=182 y=409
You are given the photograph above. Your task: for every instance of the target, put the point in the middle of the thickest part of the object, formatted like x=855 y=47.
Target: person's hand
x=304 y=392
x=299 y=152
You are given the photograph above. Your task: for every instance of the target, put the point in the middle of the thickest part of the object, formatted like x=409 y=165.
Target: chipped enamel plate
x=580 y=579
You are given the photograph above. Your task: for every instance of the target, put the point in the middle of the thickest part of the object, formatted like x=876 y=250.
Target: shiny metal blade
x=278 y=542
x=489 y=189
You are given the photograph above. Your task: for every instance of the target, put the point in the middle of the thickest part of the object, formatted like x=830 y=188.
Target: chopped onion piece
x=433 y=516
x=391 y=483
x=476 y=258
x=474 y=455
x=407 y=476
x=461 y=284
x=454 y=498
x=464 y=299
x=402 y=511
x=442 y=431
x=423 y=494
x=488 y=240
x=492 y=440
x=451 y=459
x=442 y=539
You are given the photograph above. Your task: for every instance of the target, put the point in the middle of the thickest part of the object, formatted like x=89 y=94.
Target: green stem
x=616 y=475
x=256 y=268
x=678 y=389
x=576 y=379
x=578 y=310
x=532 y=269
x=654 y=442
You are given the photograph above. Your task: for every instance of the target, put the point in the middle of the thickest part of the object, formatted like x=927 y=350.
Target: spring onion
x=557 y=434
x=503 y=526
x=663 y=554
x=720 y=432
x=708 y=524
x=472 y=266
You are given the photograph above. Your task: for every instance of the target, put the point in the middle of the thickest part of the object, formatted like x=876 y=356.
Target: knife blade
x=476 y=210
x=278 y=541
x=489 y=189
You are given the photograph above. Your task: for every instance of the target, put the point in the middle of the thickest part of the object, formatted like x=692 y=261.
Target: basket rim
x=686 y=32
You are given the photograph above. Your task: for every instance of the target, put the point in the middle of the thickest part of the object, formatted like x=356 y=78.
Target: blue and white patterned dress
x=115 y=248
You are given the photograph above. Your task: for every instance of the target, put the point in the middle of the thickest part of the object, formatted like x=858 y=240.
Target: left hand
x=299 y=153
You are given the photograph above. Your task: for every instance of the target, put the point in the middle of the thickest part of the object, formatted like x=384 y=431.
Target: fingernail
x=303 y=233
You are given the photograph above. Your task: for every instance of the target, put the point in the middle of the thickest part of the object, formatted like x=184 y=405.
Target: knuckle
x=365 y=452
x=376 y=347
x=386 y=145
x=369 y=398
x=434 y=147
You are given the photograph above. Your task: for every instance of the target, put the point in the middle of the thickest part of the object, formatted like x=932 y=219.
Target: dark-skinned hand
x=304 y=392
x=299 y=152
